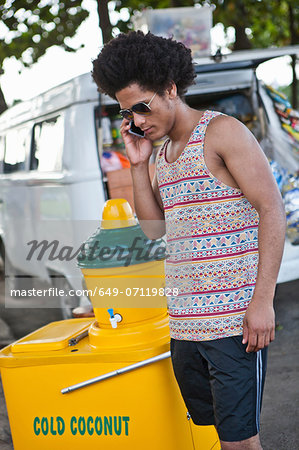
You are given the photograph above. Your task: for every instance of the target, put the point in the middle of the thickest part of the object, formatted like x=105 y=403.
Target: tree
x=262 y=23
x=104 y=20
x=257 y=23
x=32 y=26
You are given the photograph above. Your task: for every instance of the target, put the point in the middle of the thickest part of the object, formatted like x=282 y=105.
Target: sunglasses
x=139 y=108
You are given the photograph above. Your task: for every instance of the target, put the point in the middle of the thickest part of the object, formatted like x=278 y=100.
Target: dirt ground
x=279 y=421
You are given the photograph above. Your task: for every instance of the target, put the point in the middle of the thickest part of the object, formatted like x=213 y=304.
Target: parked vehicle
x=55 y=147
x=50 y=171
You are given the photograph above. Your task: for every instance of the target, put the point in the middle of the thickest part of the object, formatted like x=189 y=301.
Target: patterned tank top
x=212 y=245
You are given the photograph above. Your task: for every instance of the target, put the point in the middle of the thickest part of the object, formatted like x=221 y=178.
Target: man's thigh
x=221 y=384
x=192 y=375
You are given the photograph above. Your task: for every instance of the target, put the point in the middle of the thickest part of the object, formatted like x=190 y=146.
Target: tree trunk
x=104 y=20
x=179 y=3
x=3 y=105
x=294 y=40
x=242 y=42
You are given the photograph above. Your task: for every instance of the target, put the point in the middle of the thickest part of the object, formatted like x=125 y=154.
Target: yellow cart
x=105 y=382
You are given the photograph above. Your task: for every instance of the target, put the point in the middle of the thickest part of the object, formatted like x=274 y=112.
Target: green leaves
x=29 y=27
x=270 y=21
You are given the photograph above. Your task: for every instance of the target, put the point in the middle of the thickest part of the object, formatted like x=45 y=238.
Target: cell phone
x=136 y=130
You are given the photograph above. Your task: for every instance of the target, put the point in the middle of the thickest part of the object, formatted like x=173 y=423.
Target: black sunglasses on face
x=139 y=108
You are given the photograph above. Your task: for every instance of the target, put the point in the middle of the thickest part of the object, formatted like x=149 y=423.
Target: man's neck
x=185 y=121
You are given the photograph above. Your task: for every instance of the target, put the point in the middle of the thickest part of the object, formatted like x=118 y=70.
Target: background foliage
x=29 y=27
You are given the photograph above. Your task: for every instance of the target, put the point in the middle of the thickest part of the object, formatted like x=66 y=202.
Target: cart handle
x=137 y=365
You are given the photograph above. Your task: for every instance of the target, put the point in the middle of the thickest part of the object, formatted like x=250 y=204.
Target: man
x=225 y=227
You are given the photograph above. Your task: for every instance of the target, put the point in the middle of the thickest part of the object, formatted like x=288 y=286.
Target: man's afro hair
x=151 y=61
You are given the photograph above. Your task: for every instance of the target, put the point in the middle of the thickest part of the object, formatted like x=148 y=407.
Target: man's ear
x=172 y=90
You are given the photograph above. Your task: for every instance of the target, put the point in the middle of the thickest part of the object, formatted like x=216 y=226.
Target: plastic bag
x=113 y=161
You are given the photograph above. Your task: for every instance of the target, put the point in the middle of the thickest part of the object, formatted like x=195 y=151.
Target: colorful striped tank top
x=212 y=245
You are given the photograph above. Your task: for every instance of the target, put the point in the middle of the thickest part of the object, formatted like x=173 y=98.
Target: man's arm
x=248 y=165
x=147 y=200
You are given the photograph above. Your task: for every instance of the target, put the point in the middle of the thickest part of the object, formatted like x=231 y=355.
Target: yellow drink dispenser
x=124 y=271
x=105 y=382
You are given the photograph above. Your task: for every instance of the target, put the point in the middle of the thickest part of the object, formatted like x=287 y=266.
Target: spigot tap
x=114 y=318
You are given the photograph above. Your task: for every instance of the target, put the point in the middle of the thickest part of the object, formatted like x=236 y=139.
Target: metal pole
x=74 y=387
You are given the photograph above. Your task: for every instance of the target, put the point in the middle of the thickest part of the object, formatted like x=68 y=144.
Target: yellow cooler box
x=141 y=408
x=105 y=382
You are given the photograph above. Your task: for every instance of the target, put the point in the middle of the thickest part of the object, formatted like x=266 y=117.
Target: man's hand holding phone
x=138 y=147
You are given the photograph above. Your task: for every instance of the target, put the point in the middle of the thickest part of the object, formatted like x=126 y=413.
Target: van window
x=47 y=145
x=17 y=144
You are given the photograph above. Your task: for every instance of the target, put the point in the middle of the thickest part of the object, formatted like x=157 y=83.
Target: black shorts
x=221 y=384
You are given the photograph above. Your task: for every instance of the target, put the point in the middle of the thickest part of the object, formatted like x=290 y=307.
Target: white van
x=51 y=180
x=50 y=170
